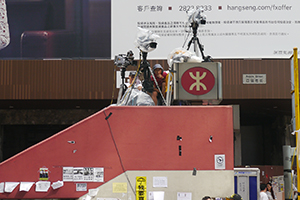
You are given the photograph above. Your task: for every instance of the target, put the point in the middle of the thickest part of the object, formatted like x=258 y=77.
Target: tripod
x=145 y=68
x=195 y=41
x=147 y=84
x=123 y=87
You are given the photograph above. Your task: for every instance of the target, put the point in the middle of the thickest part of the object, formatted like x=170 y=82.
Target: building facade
x=42 y=97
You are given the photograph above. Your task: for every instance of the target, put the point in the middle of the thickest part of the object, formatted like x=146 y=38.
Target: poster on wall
x=232 y=29
x=83 y=174
x=160 y=181
x=99 y=174
x=78 y=174
x=67 y=174
x=88 y=174
x=44 y=174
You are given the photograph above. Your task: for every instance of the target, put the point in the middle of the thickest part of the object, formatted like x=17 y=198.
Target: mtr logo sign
x=197 y=81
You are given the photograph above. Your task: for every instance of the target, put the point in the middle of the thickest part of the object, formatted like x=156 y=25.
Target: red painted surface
x=146 y=138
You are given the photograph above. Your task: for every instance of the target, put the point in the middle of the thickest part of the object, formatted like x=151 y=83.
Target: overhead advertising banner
x=233 y=29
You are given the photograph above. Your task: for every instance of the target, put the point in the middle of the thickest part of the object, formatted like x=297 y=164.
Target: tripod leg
x=121 y=93
x=160 y=92
x=189 y=44
x=205 y=58
x=201 y=49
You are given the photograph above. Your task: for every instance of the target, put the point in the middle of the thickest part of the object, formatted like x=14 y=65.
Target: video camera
x=124 y=60
x=197 y=17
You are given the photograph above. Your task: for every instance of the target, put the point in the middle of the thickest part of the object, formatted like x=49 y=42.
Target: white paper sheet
x=159 y=195
x=10 y=186
x=57 y=185
x=42 y=186
x=93 y=192
x=160 y=182
x=2 y=187
x=156 y=195
x=88 y=197
x=81 y=187
x=184 y=196
x=25 y=186
x=99 y=174
x=67 y=174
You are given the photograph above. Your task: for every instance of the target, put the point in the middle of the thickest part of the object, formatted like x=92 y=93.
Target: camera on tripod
x=146 y=40
x=197 y=17
x=124 y=60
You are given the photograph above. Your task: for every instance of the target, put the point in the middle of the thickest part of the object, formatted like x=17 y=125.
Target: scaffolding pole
x=296 y=95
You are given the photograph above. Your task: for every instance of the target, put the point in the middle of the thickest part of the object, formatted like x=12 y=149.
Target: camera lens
x=153 y=44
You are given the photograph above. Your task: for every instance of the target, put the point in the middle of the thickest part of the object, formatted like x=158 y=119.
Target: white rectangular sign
x=220 y=162
x=81 y=187
x=233 y=29
x=254 y=79
x=160 y=181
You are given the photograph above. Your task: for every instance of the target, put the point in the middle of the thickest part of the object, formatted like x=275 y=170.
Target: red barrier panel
x=118 y=139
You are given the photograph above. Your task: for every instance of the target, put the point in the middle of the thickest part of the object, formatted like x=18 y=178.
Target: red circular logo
x=197 y=81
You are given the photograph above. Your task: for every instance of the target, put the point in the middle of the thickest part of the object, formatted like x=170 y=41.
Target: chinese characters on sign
x=151 y=8
x=141 y=188
x=254 y=79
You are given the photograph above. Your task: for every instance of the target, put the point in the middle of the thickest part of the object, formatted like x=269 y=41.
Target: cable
x=115 y=144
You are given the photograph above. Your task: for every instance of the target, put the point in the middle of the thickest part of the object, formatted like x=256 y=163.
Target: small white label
x=254 y=79
x=81 y=187
x=220 y=161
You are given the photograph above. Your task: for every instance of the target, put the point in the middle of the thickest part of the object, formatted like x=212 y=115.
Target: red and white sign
x=197 y=81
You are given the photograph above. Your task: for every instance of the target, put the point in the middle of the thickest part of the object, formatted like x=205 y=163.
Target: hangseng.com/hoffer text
x=272 y=7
